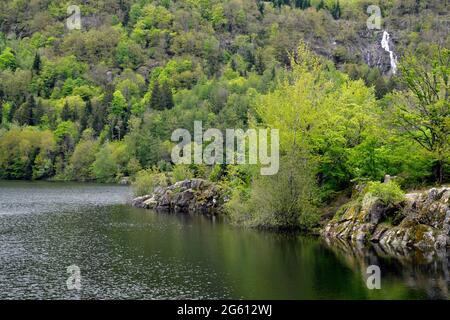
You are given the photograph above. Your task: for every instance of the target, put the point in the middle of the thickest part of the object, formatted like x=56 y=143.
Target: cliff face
x=421 y=221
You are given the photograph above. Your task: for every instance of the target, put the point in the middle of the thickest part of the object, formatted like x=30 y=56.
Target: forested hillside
x=101 y=103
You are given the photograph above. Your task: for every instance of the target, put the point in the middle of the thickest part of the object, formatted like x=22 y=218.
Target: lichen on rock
x=422 y=220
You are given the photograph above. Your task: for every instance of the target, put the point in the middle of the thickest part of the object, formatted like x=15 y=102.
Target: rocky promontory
x=421 y=220
x=187 y=196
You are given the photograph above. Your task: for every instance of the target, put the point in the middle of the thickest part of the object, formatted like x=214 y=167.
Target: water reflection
x=127 y=253
x=425 y=270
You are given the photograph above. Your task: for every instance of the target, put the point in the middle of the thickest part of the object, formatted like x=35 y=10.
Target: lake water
x=128 y=253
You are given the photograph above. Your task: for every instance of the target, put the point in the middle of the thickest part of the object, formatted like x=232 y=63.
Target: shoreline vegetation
x=376 y=214
x=100 y=104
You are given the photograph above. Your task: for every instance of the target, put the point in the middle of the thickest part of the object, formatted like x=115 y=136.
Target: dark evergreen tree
x=166 y=96
x=233 y=65
x=336 y=10
x=12 y=112
x=30 y=110
x=273 y=73
x=38 y=112
x=24 y=114
x=251 y=59
x=306 y=4
x=162 y=97
x=37 y=63
x=259 y=64
x=260 y=5
x=98 y=120
x=321 y=5
x=86 y=116
x=277 y=3
x=155 y=98
x=66 y=113
x=124 y=7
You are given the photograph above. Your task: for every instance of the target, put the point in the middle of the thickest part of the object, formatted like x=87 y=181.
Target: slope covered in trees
x=101 y=103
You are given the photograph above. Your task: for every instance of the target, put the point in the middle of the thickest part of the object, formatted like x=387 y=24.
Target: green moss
x=353 y=205
x=419 y=232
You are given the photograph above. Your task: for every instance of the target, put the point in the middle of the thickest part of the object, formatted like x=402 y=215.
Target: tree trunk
x=440 y=171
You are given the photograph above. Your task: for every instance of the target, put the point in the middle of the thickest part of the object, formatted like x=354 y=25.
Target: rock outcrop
x=188 y=196
x=421 y=221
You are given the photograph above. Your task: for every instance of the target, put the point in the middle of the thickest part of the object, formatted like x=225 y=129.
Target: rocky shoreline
x=421 y=221
x=188 y=196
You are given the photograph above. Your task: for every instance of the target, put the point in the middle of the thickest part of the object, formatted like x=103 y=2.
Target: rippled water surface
x=127 y=253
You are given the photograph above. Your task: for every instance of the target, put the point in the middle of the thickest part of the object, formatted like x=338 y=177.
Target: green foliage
x=66 y=130
x=118 y=115
x=104 y=168
x=147 y=180
x=161 y=96
x=181 y=172
x=26 y=114
x=321 y=5
x=37 y=63
x=118 y=104
x=423 y=111
x=103 y=102
x=388 y=193
x=8 y=60
x=83 y=158
x=302 y=4
x=26 y=153
x=133 y=166
x=129 y=54
x=336 y=10
x=282 y=201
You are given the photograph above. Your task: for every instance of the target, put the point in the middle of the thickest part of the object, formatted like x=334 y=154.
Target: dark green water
x=127 y=253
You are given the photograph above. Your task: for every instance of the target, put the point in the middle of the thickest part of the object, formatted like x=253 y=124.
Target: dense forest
x=100 y=103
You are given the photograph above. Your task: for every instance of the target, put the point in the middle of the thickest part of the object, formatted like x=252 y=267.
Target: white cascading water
x=385 y=46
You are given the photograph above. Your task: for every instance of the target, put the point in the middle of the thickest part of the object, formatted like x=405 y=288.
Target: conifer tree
x=166 y=96
x=66 y=113
x=37 y=64
x=25 y=113
x=260 y=5
x=321 y=5
x=336 y=10
x=162 y=97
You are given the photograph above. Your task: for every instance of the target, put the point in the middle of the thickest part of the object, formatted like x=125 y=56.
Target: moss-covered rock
x=422 y=220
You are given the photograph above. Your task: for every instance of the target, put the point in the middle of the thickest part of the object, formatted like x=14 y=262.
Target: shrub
x=181 y=172
x=283 y=201
x=147 y=180
x=388 y=193
x=133 y=166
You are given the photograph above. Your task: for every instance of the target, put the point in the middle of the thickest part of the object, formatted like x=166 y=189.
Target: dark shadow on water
x=427 y=270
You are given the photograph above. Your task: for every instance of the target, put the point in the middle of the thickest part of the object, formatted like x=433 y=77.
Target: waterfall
x=385 y=46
